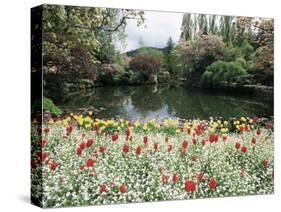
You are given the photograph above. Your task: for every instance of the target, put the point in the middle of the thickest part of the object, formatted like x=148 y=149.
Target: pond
x=146 y=102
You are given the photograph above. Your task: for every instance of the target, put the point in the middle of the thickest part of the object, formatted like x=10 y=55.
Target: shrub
x=48 y=105
x=145 y=65
x=198 y=55
x=220 y=72
x=86 y=83
x=111 y=73
x=263 y=65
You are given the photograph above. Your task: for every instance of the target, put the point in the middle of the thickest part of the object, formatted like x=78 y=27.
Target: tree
x=187 y=27
x=226 y=23
x=263 y=58
x=168 y=54
x=204 y=51
x=219 y=72
x=145 y=65
x=66 y=27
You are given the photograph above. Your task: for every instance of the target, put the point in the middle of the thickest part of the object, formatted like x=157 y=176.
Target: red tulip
x=269 y=125
x=182 y=150
x=126 y=148
x=101 y=149
x=193 y=158
x=79 y=151
x=46 y=130
x=155 y=146
x=175 y=178
x=190 y=186
x=103 y=188
x=203 y=141
x=213 y=138
x=237 y=145
x=184 y=144
x=96 y=127
x=255 y=119
x=258 y=131
x=90 y=162
x=54 y=166
x=127 y=132
x=83 y=135
x=43 y=142
x=114 y=137
x=81 y=167
x=188 y=130
x=164 y=178
x=212 y=183
x=38 y=130
x=198 y=131
x=90 y=142
x=69 y=129
x=166 y=139
x=82 y=145
x=254 y=141
x=194 y=141
x=145 y=139
x=170 y=147
x=265 y=163
x=97 y=133
x=201 y=177
x=138 y=150
x=122 y=188
x=244 y=149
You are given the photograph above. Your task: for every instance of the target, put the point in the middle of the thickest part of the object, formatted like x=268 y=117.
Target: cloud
x=159 y=27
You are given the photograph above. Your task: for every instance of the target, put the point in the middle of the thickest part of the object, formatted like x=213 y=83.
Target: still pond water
x=146 y=102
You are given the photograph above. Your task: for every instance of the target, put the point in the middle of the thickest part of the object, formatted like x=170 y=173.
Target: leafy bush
x=48 y=105
x=219 y=72
x=151 y=52
x=86 y=83
x=145 y=65
x=111 y=73
x=263 y=65
x=198 y=55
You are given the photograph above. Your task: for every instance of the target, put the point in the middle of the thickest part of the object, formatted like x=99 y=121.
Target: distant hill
x=132 y=53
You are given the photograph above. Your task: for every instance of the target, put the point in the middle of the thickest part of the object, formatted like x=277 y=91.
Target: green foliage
x=220 y=72
x=86 y=83
x=111 y=74
x=152 y=52
x=247 y=50
x=46 y=105
x=77 y=39
x=241 y=62
x=168 y=54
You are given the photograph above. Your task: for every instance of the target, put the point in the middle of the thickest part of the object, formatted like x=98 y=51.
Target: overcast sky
x=159 y=27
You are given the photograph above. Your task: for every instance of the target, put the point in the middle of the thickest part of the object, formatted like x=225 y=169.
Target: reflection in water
x=146 y=102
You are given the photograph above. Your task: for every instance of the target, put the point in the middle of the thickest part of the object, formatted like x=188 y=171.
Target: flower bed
x=83 y=161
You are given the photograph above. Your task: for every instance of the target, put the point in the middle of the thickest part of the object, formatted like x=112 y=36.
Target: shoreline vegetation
x=213 y=52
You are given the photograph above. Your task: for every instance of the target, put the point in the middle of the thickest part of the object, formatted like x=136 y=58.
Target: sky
x=159 y=27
